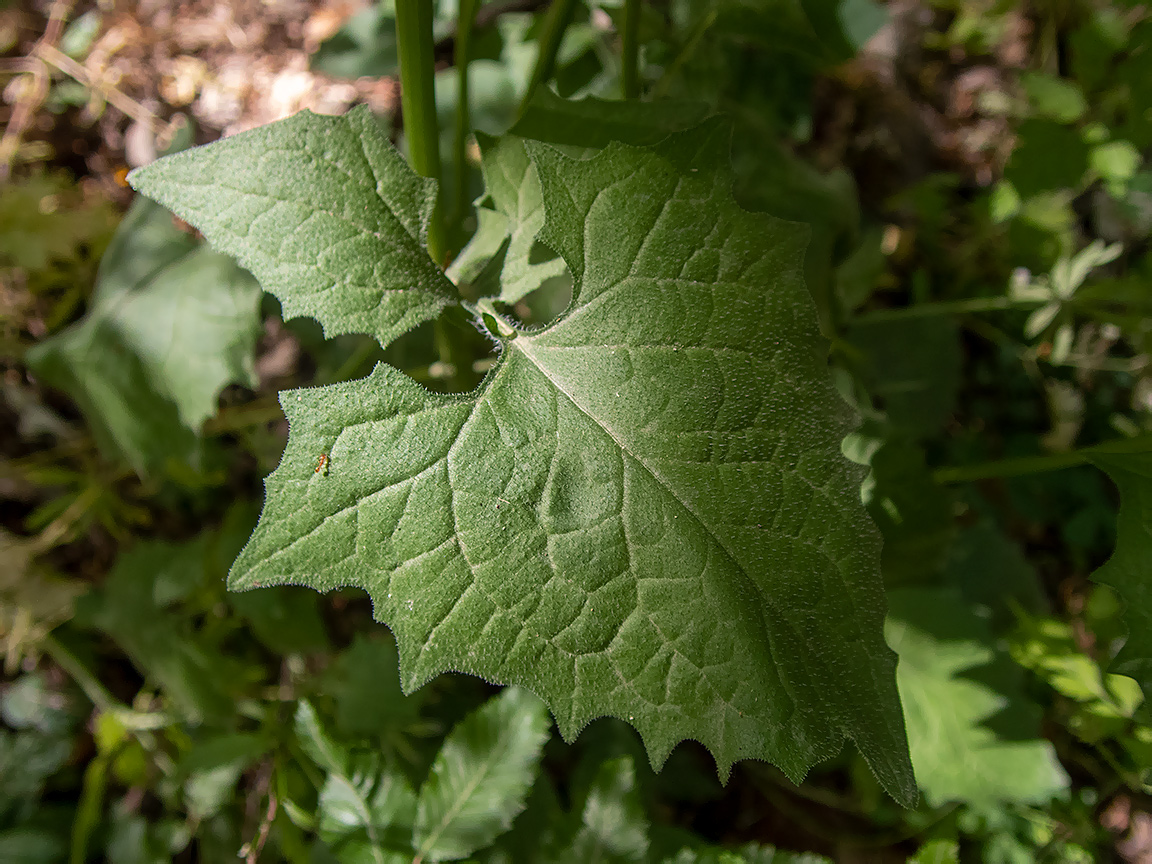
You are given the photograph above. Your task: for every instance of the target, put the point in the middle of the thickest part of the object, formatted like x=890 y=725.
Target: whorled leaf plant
x=642 y=511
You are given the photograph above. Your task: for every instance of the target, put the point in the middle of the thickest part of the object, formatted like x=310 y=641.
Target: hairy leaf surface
x=323 y=211
x=643 y=511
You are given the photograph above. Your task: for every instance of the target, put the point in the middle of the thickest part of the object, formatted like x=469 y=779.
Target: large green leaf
x=481 y=777
x=170 y=323
x=323 y=211
x=974 y=735
x=1128 y=570
x=643 y=511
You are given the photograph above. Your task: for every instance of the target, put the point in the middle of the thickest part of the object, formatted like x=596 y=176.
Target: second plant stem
x=418 y=103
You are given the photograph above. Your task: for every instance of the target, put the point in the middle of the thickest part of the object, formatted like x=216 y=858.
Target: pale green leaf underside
x=323 y=211
x=642 y=511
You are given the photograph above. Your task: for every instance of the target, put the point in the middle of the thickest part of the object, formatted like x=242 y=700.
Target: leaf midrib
x=526 y=348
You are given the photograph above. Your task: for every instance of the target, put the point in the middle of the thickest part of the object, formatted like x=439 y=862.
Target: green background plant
x=525 y=462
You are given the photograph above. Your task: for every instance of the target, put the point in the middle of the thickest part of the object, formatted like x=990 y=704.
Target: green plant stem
x=464 y=26
x=630 y=49
x=697 y=33
x=552 y=30
x=949 y=307
x=418 y=103
x=96 y=692
x=1022 y=465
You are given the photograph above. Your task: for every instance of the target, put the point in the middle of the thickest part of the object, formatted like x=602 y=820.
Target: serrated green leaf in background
x=1129 y=464
x=366 y=809
x=169 y=325
x=643 y=510
x=323 y=211
x=613 y=828
x=974 y=734
x=481 y=777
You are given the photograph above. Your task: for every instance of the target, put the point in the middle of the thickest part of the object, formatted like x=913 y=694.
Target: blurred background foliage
x=976 y=177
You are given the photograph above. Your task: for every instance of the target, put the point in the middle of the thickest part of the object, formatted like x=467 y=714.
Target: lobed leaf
x=643 y=511
x=323 y=211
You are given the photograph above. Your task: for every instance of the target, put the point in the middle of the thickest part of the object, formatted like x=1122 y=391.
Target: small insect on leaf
x=322 y=465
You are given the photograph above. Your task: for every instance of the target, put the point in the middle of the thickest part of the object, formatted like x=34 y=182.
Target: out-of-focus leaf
x=285 y=619
x=937 y=852
x=752 y=853
x=45 y=217
x=367 y=803
x=613 y=827
x=1048 y=156
x=481 y=777
x=912 y=512
x=974 y=734
x=1053 y=97
x=32 y=846
x=162 y=643
x=366 y=684
x=1107 y=702
x=990 y=570
x=28 y=703
x=170 y=324
x=913 y=367
x=212 y=768
x=594 y=123
x=365 y=47
x=1129 y=464
x=32 y=602
x=317 y=743
x=27 y=760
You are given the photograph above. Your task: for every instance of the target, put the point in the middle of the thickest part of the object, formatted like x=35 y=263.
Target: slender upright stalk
x=464 y=25
x=418 y=102
x=630 y=49
x=551 y=35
